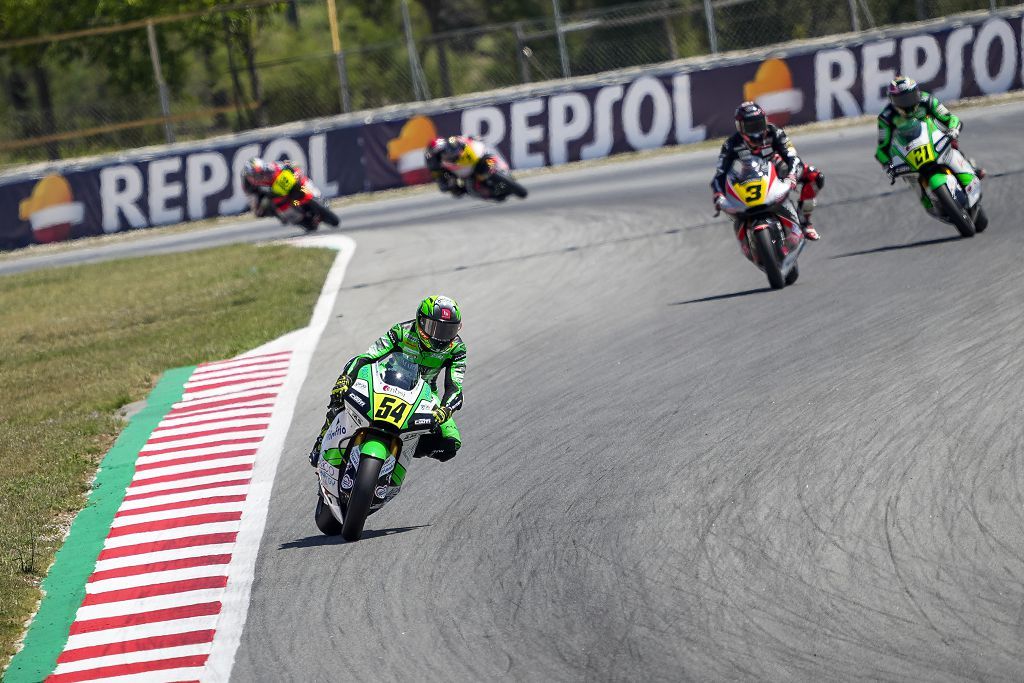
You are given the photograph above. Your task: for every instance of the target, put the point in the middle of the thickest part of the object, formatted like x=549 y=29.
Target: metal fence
x=267 y=62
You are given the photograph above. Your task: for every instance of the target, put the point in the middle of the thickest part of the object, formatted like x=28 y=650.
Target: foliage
x=274 y=64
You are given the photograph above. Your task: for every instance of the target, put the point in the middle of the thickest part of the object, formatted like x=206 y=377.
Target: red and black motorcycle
x=295 y=200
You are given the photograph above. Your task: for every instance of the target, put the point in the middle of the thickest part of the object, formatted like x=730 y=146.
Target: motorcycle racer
x=755 y=136
x=455 y=160
x=432 y=340
x=273 y=187
x=907 y=101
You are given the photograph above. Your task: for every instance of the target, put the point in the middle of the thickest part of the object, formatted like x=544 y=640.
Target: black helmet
x=904 y=94
x=438 y=321
x=752 y=124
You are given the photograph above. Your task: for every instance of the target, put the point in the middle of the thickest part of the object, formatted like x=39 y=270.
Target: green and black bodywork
x=364 y=454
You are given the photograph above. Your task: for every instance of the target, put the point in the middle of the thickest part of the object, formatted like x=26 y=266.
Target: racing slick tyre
x=326 y=214
x=325 y=521
x=980 y=220
x=505 y=185
x=769 y=261
x=954 y=212
x=361 y=498
x=792 y=275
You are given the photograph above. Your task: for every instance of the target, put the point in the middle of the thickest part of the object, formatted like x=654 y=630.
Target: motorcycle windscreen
x=909 y=131
x=400 y=370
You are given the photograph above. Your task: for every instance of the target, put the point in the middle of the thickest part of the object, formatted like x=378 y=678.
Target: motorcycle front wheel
x=361 y=498
x=954 y=212
x=769 y=261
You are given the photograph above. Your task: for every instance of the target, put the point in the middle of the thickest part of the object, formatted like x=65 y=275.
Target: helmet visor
x=905 y=101
x=754 y=127
x=441 y=332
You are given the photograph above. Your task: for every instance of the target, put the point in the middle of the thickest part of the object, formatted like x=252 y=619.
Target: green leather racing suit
x=403 y=337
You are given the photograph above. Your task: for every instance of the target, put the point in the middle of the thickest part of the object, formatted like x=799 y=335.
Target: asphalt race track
x=671 y=472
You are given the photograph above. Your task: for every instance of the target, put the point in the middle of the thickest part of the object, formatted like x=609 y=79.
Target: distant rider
x=274 y=187
x=906 y=102
x=755 y=136
x=432 y=340
x=458 y=159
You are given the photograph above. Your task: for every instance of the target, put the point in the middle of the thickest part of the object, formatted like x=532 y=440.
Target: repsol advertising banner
x=548 y=124
x=660 y=108
x=171 y=187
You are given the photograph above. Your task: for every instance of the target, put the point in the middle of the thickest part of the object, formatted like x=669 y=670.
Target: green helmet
x=438 y=321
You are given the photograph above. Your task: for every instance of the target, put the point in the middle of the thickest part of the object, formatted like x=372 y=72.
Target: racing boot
x=811 y=180
x=808 y=228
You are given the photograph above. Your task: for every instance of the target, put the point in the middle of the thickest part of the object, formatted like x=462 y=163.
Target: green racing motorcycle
x=362 y=457
x=927 y=158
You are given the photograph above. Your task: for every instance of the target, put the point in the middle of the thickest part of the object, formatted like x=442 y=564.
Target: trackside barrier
x=545 y=124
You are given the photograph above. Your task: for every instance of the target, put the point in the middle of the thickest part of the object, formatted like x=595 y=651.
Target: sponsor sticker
x=381 y=492
x=329 y=475
x=346 y=482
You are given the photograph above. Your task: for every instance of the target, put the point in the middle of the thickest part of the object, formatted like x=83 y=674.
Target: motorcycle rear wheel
x=325 y=213
x=769 y=261
x=361 y=498
x=503 y=185
x=954 y=212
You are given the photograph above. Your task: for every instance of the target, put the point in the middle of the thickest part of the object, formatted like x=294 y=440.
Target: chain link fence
x=270 y=62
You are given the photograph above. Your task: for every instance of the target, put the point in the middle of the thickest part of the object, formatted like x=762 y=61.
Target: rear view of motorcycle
x=928 y=160
x=768 y=234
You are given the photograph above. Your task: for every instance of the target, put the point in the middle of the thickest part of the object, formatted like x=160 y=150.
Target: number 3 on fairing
x=753 y=192
x=391 y=410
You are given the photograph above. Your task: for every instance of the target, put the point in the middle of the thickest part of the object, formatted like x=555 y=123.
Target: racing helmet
x=438 y=321
x=904 y=94
x=752 y=124
x=258 y=172
x=452 y=149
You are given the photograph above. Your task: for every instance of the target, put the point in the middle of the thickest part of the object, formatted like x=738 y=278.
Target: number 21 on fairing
x=921 y=155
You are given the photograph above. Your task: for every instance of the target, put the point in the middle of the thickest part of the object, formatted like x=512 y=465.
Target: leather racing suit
x=457 y=160
x=442 y=445
x=276 y=193
x=890 y=119
x=779 y=150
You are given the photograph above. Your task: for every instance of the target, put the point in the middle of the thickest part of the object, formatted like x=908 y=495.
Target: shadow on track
x=898 y=247
x=720 y=297
x=320 y=539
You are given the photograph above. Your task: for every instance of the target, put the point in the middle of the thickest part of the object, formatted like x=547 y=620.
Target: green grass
x=78 y=343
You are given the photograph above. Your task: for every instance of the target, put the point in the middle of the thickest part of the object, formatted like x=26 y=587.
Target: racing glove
x=341 y=388
x=442 y=414
x=719 y=201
